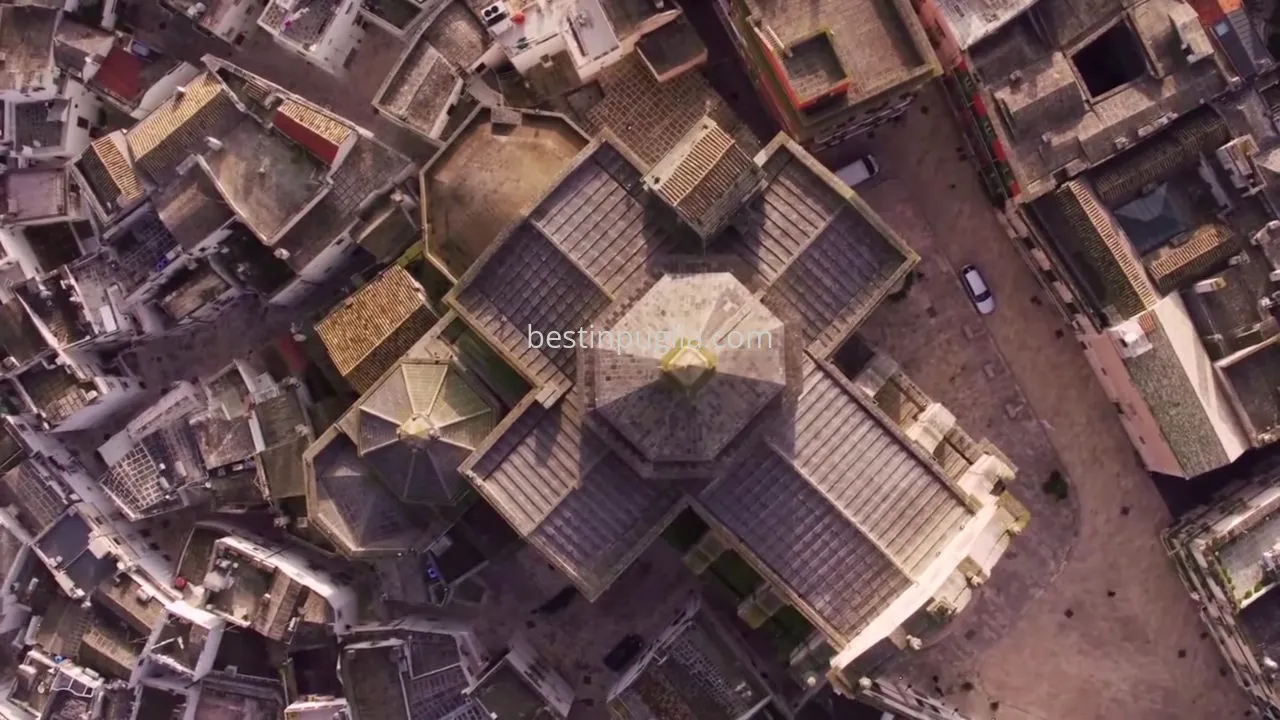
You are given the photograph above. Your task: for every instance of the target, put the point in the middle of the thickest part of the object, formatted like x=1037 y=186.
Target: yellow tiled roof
x=1203 y=240
x=320 y=123
x=364 y=320
x=119 y=168
x=160 y=124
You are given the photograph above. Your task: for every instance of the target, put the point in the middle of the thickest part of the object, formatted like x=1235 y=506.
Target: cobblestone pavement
x=1114 y=635
x=944 y=346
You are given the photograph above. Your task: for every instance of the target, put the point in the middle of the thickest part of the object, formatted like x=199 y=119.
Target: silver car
x=977 y=288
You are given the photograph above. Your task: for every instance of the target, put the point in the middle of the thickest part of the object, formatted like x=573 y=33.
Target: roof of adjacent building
x=1162 y=380
x=110 y=174
x=372 y=328
x=144 y=480
x=19 y=337
x=625 y=98
x=875 y=46
x=369 y=168
x=322 y=134
x=706 y=178
x=191 y=289
x=264 y=177
x=127 y=71
x=26 y=39
x=672 y=46
x=136 y=248
x=66 y=543
x=76 y=43
x=973 y=20
x=302 y=26
x=564 y=472
x=1046 y=123
x=192 y=209
x=57 y=307
x=481 y=181
x=696 y=673
x=33 y=495
x=418 y=90
x=37 y=193
x=39 y=124
x=180 y=127
x=1090 y=239
x=1207 y=246
x=222 y=440
x=56 y=392
x=405 y=677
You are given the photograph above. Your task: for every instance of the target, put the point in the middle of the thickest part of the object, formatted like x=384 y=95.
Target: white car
x=858 y=171
x=977 y=288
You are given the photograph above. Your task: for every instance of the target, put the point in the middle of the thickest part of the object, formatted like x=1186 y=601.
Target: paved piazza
x=1114 y=635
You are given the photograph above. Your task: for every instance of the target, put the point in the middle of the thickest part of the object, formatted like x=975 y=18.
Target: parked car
x=977 y=288
x=859 y=171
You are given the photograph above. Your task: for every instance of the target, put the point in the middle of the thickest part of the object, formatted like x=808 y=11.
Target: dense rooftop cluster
x=293 y=426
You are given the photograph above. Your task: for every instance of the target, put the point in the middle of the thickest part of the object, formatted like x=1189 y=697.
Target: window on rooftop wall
x=1112 y=59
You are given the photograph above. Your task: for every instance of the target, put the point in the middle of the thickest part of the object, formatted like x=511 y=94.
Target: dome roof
x=416 y=426
x=688 y=367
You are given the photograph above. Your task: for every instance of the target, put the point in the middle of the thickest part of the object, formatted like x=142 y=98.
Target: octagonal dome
x=416 y=426
x=688 y=367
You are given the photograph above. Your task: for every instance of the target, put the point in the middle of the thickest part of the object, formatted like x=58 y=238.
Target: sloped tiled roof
x=110 y=174
x=827 y=259
x=172 y=132
x=1160 y=377
x=319 y=132
x=1092 y=239
x=689 y=415
x=375 y=317
x=559 y=487
x=706 y=178
x=1207 y=245
x=590 y=239
x=1180 y=146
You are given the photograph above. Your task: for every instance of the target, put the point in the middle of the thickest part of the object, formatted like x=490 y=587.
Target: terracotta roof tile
x=166 y=137
x=317 y=131
x=373 y=313
x=107 y=168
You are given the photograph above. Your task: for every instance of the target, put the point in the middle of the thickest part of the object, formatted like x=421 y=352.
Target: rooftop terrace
x=302 y=22
x=488 y=175
x=265 y=178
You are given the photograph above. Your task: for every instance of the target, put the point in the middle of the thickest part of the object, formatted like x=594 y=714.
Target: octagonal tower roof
x=687 y=367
